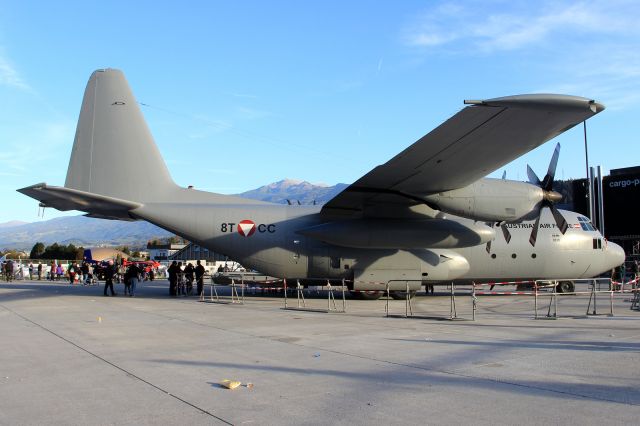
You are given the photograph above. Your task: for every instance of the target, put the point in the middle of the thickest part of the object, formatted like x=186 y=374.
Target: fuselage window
x=513 y=256
x=493 y=256
x=533 y=255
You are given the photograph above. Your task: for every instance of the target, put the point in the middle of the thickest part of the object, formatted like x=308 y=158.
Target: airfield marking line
x=128 y=373
x=399 y=364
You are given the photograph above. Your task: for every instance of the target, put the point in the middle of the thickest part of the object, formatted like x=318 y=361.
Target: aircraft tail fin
x=114 y=154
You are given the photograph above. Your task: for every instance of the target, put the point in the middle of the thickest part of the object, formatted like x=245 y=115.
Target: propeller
x=549 y=197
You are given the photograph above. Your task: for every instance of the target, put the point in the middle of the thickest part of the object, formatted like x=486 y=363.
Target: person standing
x=52 y=271
x=199 y=277
x=71 y=271
x=9 y=270
x=173 y=278
x=30 y=270
x=39 y=271
x=85 y=272
x=188 y=275
x=109 y=272
x=89 y=274
x=131 y=278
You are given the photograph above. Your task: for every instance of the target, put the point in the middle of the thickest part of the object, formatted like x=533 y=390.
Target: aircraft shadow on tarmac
x=405 y=377
x=546 y=345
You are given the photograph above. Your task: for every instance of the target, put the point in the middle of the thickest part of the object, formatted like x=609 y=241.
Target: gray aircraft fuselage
x=425 y=215
x=265 y=237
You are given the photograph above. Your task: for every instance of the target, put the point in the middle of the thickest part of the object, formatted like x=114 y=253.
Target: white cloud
x=585 y=48
x=9 y=76
x=479 y=26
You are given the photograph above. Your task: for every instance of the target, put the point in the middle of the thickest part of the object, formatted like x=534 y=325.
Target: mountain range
x=84 y=231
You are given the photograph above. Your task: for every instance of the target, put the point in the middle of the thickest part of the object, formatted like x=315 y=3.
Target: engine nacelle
x=493 y=200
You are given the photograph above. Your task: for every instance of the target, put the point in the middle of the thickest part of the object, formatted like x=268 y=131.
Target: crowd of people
x=181 y=277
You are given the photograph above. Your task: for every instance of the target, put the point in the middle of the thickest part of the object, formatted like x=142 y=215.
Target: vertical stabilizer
x=113 y=152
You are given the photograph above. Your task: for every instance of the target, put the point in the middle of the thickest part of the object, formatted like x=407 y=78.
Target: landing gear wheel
x=402 y=295
x=366 y=295
x=565 y=287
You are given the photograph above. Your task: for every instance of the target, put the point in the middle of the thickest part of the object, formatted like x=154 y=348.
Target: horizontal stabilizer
x=72 y=199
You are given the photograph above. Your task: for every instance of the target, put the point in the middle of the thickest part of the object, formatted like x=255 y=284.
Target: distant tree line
x=56 y=251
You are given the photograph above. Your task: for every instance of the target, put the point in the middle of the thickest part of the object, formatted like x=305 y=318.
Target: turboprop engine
x=500 y=200
x=491 y=200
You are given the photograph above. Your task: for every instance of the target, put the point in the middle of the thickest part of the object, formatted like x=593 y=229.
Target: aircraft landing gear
x=366 y=295
x=565 y=287
x=402 y=295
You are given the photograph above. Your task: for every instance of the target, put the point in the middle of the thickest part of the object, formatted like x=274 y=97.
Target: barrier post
x=407 y=303
x=300 y=294
x=285 y=293
x=344 y=301
x=386 y=307
x=452 y=311
x=474 y=300
x=592 y=296
x=535 y=299
x=554 y=301
x=610 y=298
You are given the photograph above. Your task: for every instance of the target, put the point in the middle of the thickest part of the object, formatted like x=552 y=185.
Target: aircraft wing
x=476 y=141
x=99 y=206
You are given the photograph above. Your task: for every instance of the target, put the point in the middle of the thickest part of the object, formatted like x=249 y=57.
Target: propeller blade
x=534 y=231
x=560 y=220
x=547 y=183
x=506 y=233
x=533 y=178
x=504 y=175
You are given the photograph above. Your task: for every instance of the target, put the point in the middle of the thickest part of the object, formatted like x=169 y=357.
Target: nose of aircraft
x=615 y=255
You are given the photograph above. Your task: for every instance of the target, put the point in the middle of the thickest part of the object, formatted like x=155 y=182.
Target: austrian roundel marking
x=246 y=228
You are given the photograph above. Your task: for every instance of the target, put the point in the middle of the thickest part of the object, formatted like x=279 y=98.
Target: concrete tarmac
x=71 y=356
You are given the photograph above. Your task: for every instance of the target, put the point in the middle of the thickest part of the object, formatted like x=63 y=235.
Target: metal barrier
x=595 y=285
x=635 y=302
x=214 y=297
x=408 y=312
x=302 y=304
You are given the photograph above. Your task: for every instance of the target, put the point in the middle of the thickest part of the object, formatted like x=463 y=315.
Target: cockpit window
x=585 y=224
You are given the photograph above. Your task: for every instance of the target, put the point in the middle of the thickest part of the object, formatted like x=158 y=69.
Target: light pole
x=589 y=180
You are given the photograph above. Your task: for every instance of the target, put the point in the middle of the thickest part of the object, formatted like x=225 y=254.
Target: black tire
x=402 y=295
x=565 y=287
x=366 y=295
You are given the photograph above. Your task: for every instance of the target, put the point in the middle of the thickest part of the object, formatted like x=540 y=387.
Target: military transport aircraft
x=426 y=215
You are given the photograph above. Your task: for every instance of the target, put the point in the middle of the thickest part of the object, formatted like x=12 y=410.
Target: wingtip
x=546 y=100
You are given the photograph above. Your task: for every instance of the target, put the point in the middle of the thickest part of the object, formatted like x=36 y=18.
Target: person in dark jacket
x=188 y=275
x=199 y=277
x=109 y=272
x=173 y=278
x=131 y=278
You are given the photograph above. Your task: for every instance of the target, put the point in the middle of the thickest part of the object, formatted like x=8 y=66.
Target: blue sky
x=242 y=94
